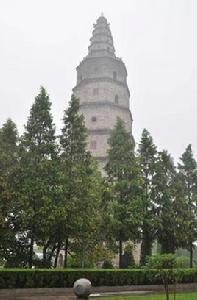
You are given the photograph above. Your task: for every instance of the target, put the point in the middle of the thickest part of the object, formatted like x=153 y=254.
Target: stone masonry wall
x=103 y=90
x=106 y=116
x=101 y=67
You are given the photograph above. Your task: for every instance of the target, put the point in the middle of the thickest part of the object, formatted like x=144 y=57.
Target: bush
x=182 y=262
x=65 y=278
x=107 y=264
x=165 y=264
x=128 y=259
x=161 y=261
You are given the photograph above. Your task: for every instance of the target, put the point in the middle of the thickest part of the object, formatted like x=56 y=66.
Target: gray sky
x=43 y=41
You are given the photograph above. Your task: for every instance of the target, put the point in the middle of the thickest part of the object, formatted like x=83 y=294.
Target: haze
x=43 y=41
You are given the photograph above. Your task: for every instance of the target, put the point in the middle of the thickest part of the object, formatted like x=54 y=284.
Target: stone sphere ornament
x=82 y=288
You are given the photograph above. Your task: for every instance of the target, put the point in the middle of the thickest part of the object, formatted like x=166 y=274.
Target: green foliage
x=165 y=264
x=38 y=174
x=53 y=196
x=182 y=262
x=188 y=178
x=164 y=182
x=107 y=264
x=128 y=260
x=124 y=184
x=147 y=152
x=8 y=186
x=82 y=188
x=18 y=278
x=161 y=261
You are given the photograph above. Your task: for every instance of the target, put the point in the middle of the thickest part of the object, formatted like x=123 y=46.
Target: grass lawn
x=185 y=296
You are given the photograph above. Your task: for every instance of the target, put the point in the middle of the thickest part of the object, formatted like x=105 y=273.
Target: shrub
x=182 y=262
x=37 y=278
x=161 y=261
x=165 y=264
x=107 y=264
x=127 y=258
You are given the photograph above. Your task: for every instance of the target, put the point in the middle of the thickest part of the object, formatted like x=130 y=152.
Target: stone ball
x=82 y=287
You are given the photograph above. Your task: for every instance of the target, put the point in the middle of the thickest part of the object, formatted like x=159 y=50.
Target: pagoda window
x=93 y=119
x=95 y=91
x=116 y=99
x=93 y=145
x=114 y=75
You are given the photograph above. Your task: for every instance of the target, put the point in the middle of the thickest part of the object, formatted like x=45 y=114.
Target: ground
x=186 y=296
x=184 y=292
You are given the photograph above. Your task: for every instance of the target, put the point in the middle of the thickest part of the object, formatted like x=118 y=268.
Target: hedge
x=36 y=278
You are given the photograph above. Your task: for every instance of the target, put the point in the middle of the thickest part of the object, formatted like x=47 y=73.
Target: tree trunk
x=120 y=254
x=31 y=252
x=82 y=257
x=66 y=253
x=57 y=254
x=191 y=256
x=166 y=291
x=146 y=246
x=51 y=255
x=44 y=251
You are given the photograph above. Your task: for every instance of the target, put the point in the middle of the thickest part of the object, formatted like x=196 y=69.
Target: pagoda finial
x=101 y=40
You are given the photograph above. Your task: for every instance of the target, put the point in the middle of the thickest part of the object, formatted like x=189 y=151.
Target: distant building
x=103 y=91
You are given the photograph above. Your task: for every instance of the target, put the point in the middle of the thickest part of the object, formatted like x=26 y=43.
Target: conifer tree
x=164 y=195
x=188 y=176
x=38 y=153
x=81 y=183
x=123 y=179
x=181 y=212
x=8 y=179
x=147 y=156
x=8 y=160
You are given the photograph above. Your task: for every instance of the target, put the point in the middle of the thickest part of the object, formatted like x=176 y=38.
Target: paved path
x=67 y=294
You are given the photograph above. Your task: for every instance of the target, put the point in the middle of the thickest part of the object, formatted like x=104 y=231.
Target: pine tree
x=38 y=158
x=87 y=235
x=123 y=179
x=163 y=193
x=8 y=160
x=188 y=176
x=181 y=212
x=147 y=156
x=81 y=183
x=8 y=179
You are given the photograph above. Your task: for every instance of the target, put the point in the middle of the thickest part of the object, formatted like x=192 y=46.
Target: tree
x=8 y=160
x=163 y=193
x=123 y=179
x=81 y=185
x=38 y=166
x=87 y=236
x=147 y=156
x=8 y=179
x=188 y=176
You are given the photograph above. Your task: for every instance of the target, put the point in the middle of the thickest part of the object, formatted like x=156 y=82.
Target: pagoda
x=102 y=90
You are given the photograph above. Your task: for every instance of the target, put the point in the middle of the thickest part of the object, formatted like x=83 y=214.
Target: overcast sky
x=43 y=41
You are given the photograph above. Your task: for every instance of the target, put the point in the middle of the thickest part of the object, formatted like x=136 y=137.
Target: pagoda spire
x=101 y=42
